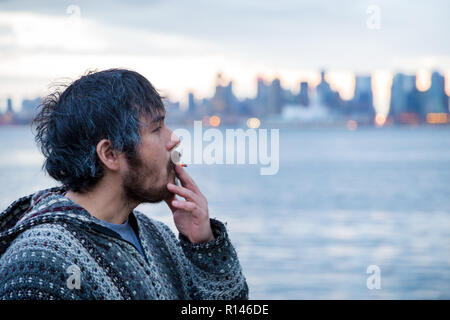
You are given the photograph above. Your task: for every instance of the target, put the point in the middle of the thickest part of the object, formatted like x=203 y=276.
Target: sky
x=180 y=46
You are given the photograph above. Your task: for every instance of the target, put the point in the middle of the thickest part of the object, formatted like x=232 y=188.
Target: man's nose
x=173 y=141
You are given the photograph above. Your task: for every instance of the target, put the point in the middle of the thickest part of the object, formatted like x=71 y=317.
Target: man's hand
x=191 y=217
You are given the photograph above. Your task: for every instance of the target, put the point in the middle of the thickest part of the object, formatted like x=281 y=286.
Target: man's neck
x=105 y=202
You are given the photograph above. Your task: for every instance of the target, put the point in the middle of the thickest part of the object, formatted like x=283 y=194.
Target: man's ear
x=108 y=156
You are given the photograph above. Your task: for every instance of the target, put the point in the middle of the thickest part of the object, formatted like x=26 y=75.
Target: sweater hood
x=44 y=206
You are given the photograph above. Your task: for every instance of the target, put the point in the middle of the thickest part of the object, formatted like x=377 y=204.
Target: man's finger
x=185 y=179
x=169 y=203
x=183 y=192
x=185 y=205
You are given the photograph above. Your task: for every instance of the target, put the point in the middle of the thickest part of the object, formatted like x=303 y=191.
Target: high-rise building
x=29 y=106
x=407 y=103
x=363 y=94
x=260 y=104
x=224 y=101
x=275 y=97
x=402 y=86
x=323 y=90
x=260 y=91
x=191 y=103
x=9 y=108
x=303 y=96
x=29 y=109
x=414 y=98
x=219 y=101
x=328 y=97
x=436 y=99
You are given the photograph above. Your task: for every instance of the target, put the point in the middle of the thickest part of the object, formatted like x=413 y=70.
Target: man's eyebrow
x=159 y=118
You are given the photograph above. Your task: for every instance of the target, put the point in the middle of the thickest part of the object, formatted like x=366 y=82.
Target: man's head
x=108 y=124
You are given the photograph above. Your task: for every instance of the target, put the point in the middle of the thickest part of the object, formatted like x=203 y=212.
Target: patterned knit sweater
x=48 y=244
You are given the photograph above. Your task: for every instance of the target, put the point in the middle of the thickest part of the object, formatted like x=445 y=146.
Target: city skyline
x=410 y=102
x=342 y=81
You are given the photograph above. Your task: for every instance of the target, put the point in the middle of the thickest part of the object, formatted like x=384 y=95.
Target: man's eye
x=157 y=129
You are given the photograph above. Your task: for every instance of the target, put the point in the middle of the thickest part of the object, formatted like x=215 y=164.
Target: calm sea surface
x=340 y=202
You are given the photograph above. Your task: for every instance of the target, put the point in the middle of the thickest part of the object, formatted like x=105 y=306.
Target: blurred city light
x=437 y=118
x=214 y=121
x=380 y=120
x=352 y=125
x=253 y=123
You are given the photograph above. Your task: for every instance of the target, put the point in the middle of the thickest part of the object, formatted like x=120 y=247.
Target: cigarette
x=176 y=157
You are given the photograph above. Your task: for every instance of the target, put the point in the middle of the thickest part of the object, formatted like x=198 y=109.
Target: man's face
x=146 y=176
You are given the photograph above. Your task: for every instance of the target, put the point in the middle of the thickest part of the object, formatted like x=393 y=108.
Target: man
x=104 y=138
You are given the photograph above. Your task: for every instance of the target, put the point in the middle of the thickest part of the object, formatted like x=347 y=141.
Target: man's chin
x=140 y=195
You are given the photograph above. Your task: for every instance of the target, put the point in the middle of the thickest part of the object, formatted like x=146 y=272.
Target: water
x=341 y=201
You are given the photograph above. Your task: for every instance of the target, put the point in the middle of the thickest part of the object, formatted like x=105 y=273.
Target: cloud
x=184 y=41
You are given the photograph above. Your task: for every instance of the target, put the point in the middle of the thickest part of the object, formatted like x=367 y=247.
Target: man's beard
x=136 y=177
